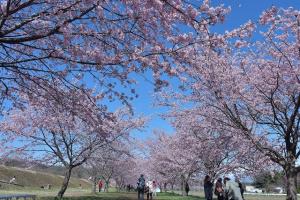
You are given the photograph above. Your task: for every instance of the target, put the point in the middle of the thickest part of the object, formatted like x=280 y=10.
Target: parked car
x=278 y=190
x=252 y=189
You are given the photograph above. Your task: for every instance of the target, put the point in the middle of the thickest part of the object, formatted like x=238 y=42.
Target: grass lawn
x=83 y=194
x=35 y=179
x=47 y=193
x=260 y=197
x=172 y=196
x=161 y=196
x=125 y=196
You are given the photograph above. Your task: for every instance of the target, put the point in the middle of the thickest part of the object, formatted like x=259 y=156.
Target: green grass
x=160 y=196
x=48 y=193
x=173 y=196
x=32 y=181
x=259 y=197
x=102 y=196
x=76 y=194
x=125 y=196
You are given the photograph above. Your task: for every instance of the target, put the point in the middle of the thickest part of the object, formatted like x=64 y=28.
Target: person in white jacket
x=232 y=190
x=12 y=180
x=154 y=188
x=150 y=189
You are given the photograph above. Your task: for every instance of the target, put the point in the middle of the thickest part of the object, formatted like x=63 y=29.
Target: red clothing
x=100 y=184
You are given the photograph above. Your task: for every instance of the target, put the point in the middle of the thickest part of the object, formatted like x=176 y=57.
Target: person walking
x=154 y=188
x=187 y=188
x=208 y=188
x=141 y=187
x=242 y=188
x=232 y=190
x=100 y=185
x=219 y=190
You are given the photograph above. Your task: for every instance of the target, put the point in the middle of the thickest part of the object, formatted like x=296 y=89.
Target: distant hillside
x=78 y=172
x=36 y=179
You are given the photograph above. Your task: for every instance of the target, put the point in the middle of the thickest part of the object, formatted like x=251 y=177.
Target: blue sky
x=241 y=12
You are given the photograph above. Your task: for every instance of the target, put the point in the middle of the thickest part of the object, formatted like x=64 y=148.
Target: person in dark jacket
x=242 y=188
x=208 y=188
x=187 y=188
x=141 y=187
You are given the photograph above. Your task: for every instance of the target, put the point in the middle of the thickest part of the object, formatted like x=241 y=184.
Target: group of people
x=144 y=187
x=129 y=188
x=226 y=190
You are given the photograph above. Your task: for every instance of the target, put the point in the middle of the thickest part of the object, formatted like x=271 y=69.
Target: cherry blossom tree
x=102 y=40
x=123 y=173
x=112 y=162
x=196 y=151
x=50 y=43
x=225 y=151
x=65 y=129
x=91 y=44
x=175 y=160
x=252 y=89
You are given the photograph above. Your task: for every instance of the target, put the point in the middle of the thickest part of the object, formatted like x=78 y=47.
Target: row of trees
x=190 y=154
x=114 y=162
x=243 y=92
x=68 y=129
x=61 y=61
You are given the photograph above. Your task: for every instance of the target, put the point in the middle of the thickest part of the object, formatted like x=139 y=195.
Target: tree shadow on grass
x=103 y=196
x=86 y=198
x=173 y=196
x=127 y=196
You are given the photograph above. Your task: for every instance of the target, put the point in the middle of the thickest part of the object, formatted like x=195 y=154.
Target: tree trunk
x=165 y=187
x=183 y=183
x=65 y=183
x=94 y=185
x=106 y=185
x=291 y=186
